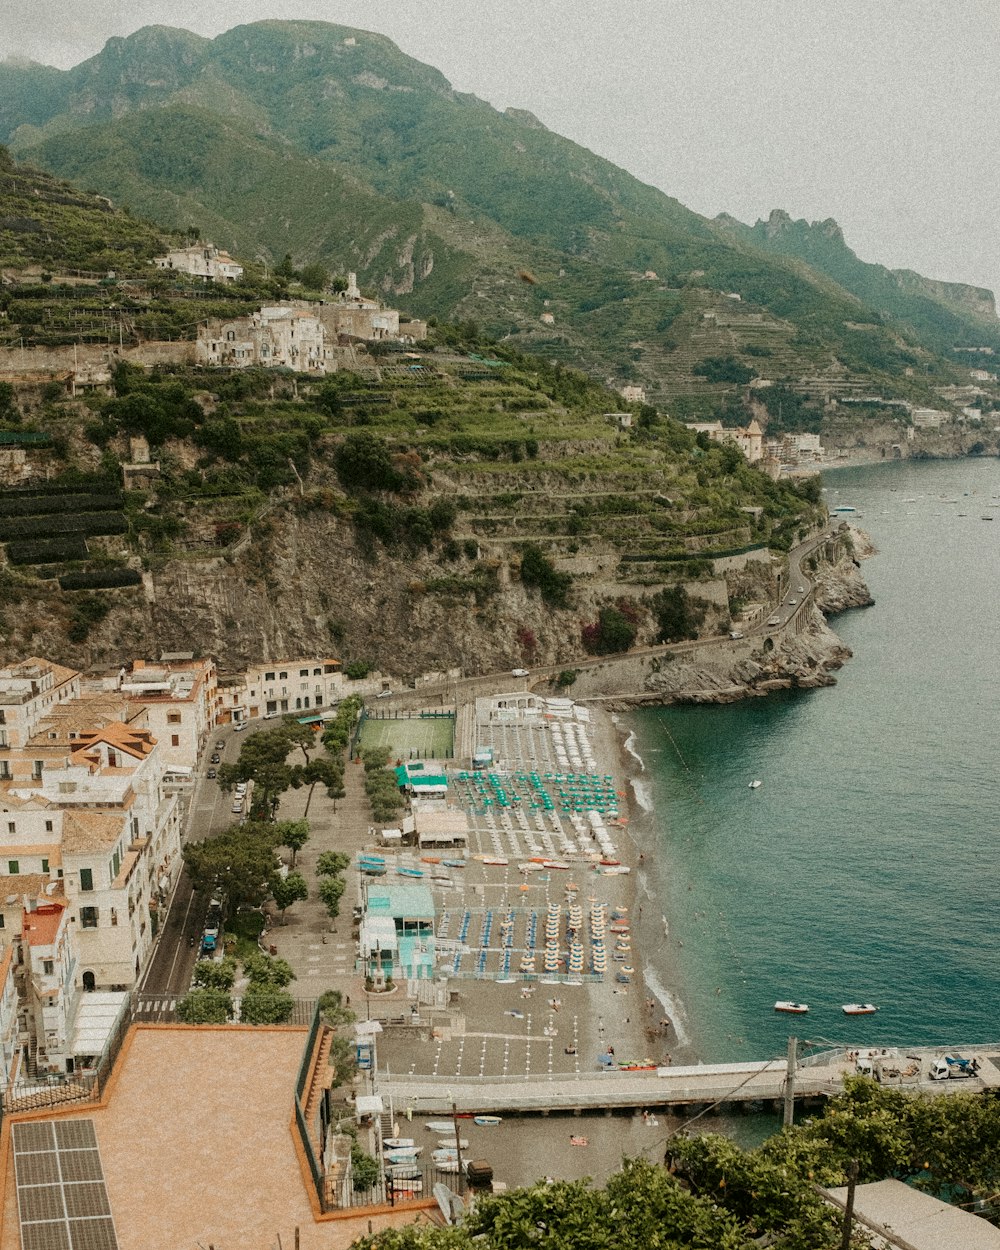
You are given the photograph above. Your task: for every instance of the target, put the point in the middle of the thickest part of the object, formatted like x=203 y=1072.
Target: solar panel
x=61 y=1195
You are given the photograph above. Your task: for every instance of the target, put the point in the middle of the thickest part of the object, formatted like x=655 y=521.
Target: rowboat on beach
x=439 y=1126
x=486 y=1121
x=397 y=1143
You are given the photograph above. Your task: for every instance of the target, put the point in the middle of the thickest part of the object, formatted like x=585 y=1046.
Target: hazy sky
x=884 y=114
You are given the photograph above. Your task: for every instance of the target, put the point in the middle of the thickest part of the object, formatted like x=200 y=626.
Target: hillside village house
x=181 y=702
x=750 y=440
x=27 y=691
x=201 y=261
x=279 y=336
x=359 y=317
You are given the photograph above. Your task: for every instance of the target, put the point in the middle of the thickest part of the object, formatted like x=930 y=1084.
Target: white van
x=237 y=807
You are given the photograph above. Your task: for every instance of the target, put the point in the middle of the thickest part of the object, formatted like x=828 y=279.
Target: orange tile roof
x=40 y=927
x=33 y=884
x=91 y=831
x=135 y=742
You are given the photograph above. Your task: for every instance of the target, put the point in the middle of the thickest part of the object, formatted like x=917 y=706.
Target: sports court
x=414 y=736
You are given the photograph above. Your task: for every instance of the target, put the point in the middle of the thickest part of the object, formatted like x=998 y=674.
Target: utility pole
x=790 y=1083
x=458 y=1140
x=852 y=1181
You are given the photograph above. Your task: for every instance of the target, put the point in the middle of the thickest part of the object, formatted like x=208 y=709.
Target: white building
x=206 y=262
x=181 y=703
x=633 y=394
x=750 y=439
x=928 y=418
x=29 y=691
x=277 y=336
x=280 y=686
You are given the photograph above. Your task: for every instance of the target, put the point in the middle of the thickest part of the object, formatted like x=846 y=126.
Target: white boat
x=859 y=1009
x=439 y=1126
x=755 y=784
x=444 y=1156
x=397 y=1143
x=793 y=1009
x=403 y=1171
x=484 y=1120
x=449 y=1143
x=406 y=1155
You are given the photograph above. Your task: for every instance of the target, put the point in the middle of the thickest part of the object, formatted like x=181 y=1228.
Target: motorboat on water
x=859 y=1009
x=792 y=1009
x=755 y=784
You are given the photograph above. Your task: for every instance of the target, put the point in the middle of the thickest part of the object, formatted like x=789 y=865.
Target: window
x=317 y=672
x=303 y=672
x=173 y=718
x=114 y=915
x=283 y=676
x=269 y=677
x=48 y=967
x=13 y=867
x=2 y=921
x=45 y=866
x=36 y=772
x=88 y=917
x=4 y=770
x=175 y=740
x=86 y=878
x=48 y=826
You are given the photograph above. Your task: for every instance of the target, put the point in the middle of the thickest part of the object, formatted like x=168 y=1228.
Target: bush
x=540 y=573
x=266 y=1004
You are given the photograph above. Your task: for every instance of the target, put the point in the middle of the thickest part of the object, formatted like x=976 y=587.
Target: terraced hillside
x=453 y=507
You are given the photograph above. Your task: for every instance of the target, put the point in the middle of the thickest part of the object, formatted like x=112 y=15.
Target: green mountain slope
x=332 y=144
x=943 y=314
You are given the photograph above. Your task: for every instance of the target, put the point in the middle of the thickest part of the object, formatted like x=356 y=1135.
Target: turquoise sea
x=865 y=867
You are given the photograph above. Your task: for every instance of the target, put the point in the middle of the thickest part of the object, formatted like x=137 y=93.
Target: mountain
x=332 y=144
x=944 y=314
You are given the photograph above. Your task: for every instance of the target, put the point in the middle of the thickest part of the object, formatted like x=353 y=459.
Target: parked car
x=211 y=774
x=220 y=745
x=774 y=620
x=239 y=726
x=736 y=633
x=792 y=602
x=519 y=672
x=216 y=758
x=384 y=694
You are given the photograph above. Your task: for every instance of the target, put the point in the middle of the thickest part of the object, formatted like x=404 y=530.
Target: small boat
x=846 y=507
x=444 y=1156
x=409 y=872
x=793 y=1009
x=403 y=1172
x=408 y=1155
x=407 y=1185
x=495 y=861
x=439 y=1126
x=449 y=1143
x=555 y=863
x=453 y=863
x=485 y=1121
x=397 y=1143
x=447 y=1165
x=859 y=1009
x=755 y=784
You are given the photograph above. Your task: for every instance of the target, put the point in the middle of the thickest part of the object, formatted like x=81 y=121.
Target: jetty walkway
x=818 y=1077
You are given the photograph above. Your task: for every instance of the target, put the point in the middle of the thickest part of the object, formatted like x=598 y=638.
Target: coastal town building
x=748 y=439
x=280 y=686
x=181 y=702
x=27 y=693
x=928 y=418
x=201 y=261
x=633 y=394
x=90 y=831
x=357 y=316
x=276 y=336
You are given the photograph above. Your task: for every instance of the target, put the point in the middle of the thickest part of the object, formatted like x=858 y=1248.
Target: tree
x=240 y=862
x=265 y=970
x=314 y=276
x=266 y=1004
x=288 y=890
x=364 y=462
x=612 y=633
x=677 y=614
x=332 y=862
x=205 y=1006
x=294 y=834
x=333 y=1011
x=331 y=890
x=210 y=975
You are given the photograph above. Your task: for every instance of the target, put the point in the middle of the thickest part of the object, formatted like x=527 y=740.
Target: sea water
x=865 y=866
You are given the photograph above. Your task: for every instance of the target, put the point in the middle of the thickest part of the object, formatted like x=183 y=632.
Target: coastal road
x=463 y=689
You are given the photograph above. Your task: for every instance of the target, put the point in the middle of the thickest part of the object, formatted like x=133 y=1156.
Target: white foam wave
x=672 y=1006
x=630 y=747
x=643 y=794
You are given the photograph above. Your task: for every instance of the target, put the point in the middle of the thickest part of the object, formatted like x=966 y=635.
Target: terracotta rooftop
x=135 y=742
x=221 y=1168
x=32 y=884
x=90 y=831
x=82 y=715
x=40 y=927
